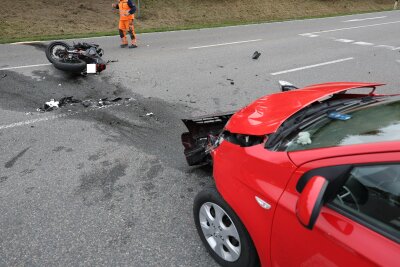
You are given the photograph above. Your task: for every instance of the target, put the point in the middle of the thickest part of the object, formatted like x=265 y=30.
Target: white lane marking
x=344 y=40
x=213 y=45
x=312 y=66
x=351 y=28
x=356 y=20
x=27 y=66
x=387 y=46
x=363 y=43
x=70 y=114
x=308 y=35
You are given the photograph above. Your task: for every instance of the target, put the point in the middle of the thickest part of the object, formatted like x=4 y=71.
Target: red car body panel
x=242 y=173
x=267 y=113
x=335 y=239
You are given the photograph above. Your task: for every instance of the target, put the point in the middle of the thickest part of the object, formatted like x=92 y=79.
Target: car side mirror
x=310 y=201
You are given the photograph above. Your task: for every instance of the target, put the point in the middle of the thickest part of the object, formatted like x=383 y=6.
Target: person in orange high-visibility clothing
x=126 y=16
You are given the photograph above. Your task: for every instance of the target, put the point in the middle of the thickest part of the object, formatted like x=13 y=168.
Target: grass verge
x=95 y=17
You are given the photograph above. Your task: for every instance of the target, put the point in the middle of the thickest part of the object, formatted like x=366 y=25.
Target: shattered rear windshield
x=377 y=123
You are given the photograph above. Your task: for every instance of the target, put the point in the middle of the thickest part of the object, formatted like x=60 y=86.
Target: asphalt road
x=104 y=187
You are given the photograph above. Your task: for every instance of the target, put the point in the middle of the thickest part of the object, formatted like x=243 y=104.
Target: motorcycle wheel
x=70 y=65
x=53 y=47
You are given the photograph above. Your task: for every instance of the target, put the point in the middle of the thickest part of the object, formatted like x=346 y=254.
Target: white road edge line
x=213 y=45
x=27 y=66
x=27 y=42
x=363 y=43
x=351 y=28
x=312 y=66
x=356 y=20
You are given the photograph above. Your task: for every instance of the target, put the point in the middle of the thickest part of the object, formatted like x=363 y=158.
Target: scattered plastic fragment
x=256 y=55
x=150 y=114
x=59 y=84
x=304 y=138
x=3 y=76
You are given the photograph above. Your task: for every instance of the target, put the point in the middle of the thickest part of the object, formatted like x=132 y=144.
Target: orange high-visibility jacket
x=124 y=10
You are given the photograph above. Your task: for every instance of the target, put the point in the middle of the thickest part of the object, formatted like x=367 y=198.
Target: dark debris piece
x=68 y=100
x=256 y=55
x=3 y=76
x=112 y=61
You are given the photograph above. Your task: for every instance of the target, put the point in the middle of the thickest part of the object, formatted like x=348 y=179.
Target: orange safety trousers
x=127 y=26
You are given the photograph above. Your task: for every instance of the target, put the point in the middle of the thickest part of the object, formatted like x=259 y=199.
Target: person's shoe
x=123 y=45
x=132 y=46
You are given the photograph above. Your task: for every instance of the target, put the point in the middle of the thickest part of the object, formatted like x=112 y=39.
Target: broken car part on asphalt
x=51 y=105
x=256 y=55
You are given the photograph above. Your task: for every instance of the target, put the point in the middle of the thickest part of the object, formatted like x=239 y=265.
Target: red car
x=307 y=177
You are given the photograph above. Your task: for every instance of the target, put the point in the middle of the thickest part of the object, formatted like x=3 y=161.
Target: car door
x=359 y=222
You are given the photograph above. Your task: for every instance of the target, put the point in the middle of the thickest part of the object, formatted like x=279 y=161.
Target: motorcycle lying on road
x=79 y=58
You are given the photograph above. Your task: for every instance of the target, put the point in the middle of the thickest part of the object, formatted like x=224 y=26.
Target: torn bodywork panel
x=203 y=131
x=266 y=114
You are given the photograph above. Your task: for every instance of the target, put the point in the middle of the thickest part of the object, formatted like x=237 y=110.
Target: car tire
x=222 y=232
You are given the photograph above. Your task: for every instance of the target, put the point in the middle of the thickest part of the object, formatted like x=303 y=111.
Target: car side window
x=371 y=196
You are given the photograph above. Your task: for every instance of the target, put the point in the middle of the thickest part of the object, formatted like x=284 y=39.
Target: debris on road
x=59 y=84
x=3 y=76
x=150 y=114
x=232 y=82
x=112 y=61
x=256 y=55
x=49 y=106
x=70 y=100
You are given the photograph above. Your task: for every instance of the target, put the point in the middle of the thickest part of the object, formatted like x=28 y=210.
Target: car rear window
x=376 y=123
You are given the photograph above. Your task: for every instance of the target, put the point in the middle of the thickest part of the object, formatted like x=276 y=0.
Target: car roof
x=266 y=114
